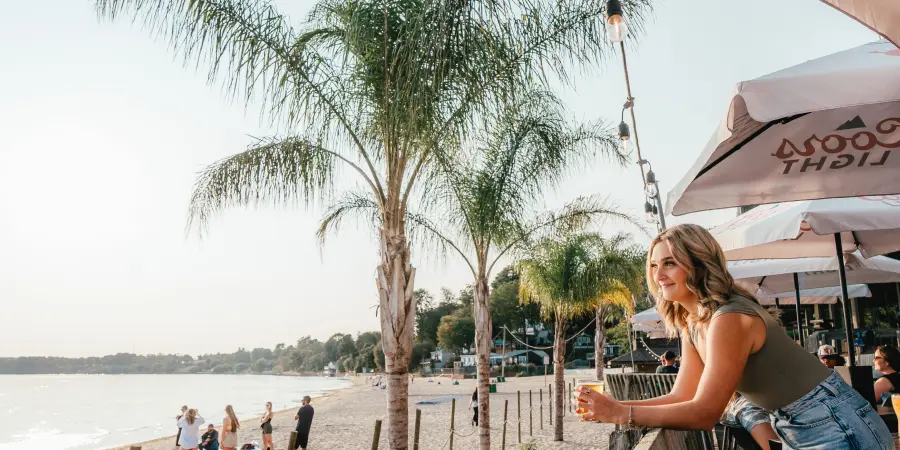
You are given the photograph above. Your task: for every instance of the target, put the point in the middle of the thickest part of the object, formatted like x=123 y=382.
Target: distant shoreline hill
x=307 y=357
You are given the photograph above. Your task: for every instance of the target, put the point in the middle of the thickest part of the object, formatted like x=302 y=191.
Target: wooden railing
x=642 y=386
x=639 y=386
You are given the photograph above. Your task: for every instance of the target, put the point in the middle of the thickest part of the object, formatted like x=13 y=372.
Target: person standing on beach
x=304 y=419
x=266 y=424
x=474 y=406
x=184 y=409
x=230 y=427
x=190 y=424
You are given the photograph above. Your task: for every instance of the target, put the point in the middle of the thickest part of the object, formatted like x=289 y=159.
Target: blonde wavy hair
x=696 y=251
x=190 y=416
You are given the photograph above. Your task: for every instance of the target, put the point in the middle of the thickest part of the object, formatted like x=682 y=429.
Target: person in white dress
x=190 y=429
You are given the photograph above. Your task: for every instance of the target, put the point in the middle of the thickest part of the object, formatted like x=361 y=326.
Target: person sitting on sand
x=304 y=419
x=731 y=343
x=210 y=439
x=230 y=427
x=190 y=426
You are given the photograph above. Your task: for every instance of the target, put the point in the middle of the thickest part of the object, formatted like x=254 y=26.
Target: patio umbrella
x=881 y=16
x=822 y=129
x=776 y=276
x=649 y=318
x=807 y=228
x=816 y=296
x=771 y=276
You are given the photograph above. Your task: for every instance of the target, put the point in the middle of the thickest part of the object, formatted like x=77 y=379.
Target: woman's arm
x=882 y=385
x=686 y=381
x=729 y=342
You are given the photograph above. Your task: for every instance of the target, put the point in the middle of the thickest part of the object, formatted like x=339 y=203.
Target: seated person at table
x=667 y=361
x=210 y=439
x=830 y=357
x=887 y=359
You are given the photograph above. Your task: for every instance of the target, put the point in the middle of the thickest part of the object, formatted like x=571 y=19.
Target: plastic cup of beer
x=595 y=386
x=895 y=402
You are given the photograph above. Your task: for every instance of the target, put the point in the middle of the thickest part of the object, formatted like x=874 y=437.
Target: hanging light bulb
x=624 y=139
x=616 y=29
x=651 y=190
x=649 y=211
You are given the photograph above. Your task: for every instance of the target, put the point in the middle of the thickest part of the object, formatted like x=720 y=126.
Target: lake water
x=88 y=412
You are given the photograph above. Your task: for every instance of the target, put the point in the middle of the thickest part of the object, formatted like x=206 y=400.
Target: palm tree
x=485 y=198
x=381 y=87
x=623 y=264
x=568 y=277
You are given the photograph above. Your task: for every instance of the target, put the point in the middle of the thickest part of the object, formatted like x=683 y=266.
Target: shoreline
x=168 y=442
x=345 y=418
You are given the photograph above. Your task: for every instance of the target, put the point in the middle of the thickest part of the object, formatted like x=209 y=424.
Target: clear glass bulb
x=651 y=190
x=651 y=218
x=616 y=30
x=625 y=147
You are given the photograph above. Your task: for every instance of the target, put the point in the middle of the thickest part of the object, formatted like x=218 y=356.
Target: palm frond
x=348 y=204
x=271 y=170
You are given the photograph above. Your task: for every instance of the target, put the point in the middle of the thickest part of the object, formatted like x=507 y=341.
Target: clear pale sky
x=102 y=131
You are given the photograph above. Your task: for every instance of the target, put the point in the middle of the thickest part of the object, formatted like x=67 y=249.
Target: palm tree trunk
x=599 y=341
x=398 y=307
x=559 y=362
x=483 y=345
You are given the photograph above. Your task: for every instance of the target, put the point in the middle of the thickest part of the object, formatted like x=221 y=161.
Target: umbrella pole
x=797 y=307
x=848 y=324
x=778 y=312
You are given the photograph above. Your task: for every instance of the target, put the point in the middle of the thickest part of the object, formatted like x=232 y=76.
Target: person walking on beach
x=304 y=419
x=184 y=409
x=210 y=439
x=230 y=427
x=265 y=422
x=189 y=424
x=731 y=343
x=473 y=405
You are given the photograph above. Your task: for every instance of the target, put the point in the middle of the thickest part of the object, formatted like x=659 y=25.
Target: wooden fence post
x=570 y=397
x=550 y=397
x=135 y=447
x=505 y=410
x=530 y=415
x=374 y=440
x=519 y=414
x=541 y=416
x=452 y=421
x=292 y=442
x=416 y=436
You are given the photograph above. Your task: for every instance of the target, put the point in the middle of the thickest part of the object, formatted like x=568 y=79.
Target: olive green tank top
x=781 y=371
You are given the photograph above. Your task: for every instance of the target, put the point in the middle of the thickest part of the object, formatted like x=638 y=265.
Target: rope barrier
x=549 y=347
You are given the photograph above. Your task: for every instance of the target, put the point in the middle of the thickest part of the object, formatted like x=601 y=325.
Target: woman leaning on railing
x=730 y=343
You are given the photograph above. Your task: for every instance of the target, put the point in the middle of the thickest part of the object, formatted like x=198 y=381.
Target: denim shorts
x=831 y=416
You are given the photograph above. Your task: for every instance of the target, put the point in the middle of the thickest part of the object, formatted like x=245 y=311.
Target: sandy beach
x=345 y=419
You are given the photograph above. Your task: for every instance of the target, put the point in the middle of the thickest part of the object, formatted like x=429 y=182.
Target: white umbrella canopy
x=881 y=16
x=649 y=318
x=771 y=276
x=806 y=228
x=818 y=296
x=822 y=129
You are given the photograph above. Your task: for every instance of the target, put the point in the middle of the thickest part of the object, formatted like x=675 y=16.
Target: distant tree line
x=445 y=322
